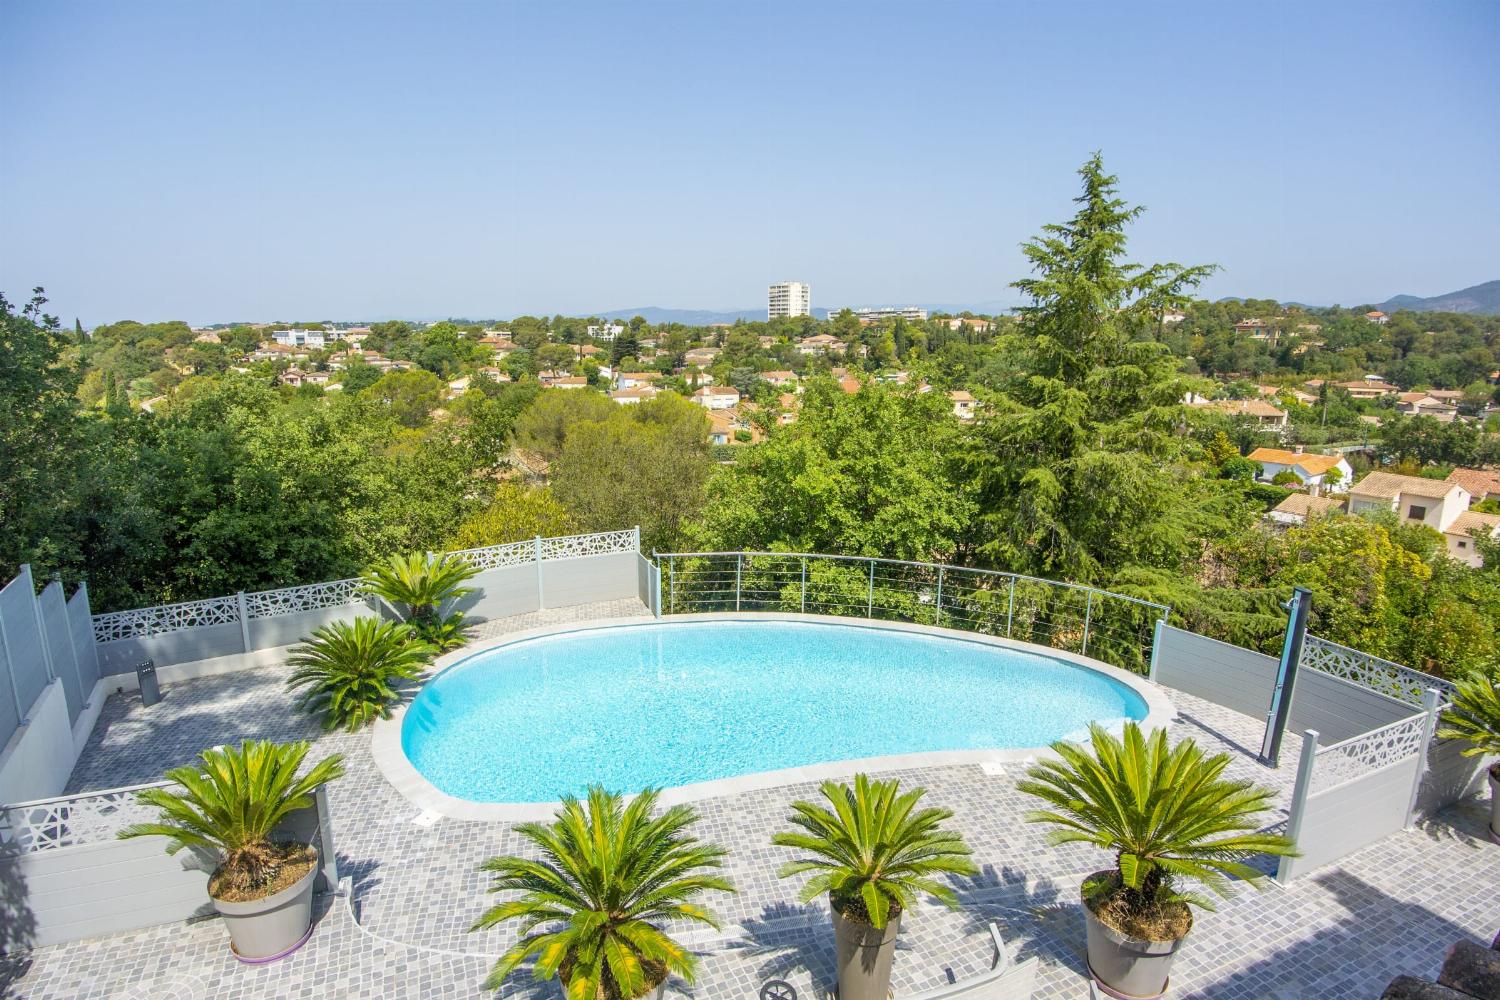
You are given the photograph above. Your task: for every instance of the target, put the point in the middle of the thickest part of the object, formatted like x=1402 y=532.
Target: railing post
x=1298 y=806
x=1155 y=645
x=636 y=531
x=1010 y=611
x=671 y=584
x=327 y=852
x=536 y=553
x=1431 y=698
x=804 y=585
x=937 y=618
x=739 y=569
x=870 y=602
x=1088 y=618
x=244 y=613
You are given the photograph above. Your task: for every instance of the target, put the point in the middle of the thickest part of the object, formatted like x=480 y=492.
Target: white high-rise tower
x=789 y=298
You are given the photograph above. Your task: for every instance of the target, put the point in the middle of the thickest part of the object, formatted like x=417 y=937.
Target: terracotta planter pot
x=264 y=930
x=864 y=955
x=1125 y=967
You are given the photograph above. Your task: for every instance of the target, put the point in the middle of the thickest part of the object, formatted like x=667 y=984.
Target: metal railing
x=1086 y=620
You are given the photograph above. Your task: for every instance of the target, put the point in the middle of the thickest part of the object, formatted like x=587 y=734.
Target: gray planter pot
x=1494 y=806
x=263 y=930
x=864 y=955
x=1128 y=967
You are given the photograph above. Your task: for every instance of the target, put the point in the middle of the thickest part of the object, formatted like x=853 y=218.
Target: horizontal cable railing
x=1098 y=623
x=340 y=593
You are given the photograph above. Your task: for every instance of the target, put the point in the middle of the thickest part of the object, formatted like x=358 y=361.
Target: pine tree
x=1075 y=470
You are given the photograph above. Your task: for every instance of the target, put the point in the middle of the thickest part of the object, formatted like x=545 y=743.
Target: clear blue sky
x=215 y=161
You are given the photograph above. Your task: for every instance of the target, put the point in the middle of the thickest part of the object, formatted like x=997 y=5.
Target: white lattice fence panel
x=1340 y=762
x=500 y=556
x=290 y=600
x=1372 y=672
x=599 y=544
x=165 y=618
x=91 y=818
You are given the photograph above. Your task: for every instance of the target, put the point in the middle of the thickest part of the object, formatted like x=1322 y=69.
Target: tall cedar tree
x=1075 y=459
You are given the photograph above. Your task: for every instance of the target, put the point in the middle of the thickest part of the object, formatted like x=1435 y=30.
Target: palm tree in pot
x=229 y=806
x=422 y=584
x=593 y=905
x=351 y=672
x=872 y=852
x=1169 y=817
x=1474 y=718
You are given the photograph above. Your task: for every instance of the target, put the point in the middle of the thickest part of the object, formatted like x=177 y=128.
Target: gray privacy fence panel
x=69 y=877
x=1339 y=709
x=22 y=633
x=81 y=628
x=1340 y=820
x=203 y=642
x=59 y=638
x=645 y=573
x=504 y=591
x=10 y=709
x=1239 y=679
x=1451 y=777
x=583 y=580
x=284 y=630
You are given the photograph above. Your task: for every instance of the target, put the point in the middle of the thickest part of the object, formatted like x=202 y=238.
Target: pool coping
x=393 y=765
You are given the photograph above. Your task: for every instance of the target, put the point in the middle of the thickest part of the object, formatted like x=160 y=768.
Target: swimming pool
x=687 y=702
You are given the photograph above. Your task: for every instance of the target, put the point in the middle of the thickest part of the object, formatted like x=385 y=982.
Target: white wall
x=36 y=762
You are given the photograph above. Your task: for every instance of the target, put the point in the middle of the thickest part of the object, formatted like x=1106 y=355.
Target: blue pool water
x=664 y=705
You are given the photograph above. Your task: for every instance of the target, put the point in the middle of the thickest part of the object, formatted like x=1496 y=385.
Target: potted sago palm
x=593 y=906
x=1172 y=821
x=229 y=805
x=872 y=852
x=1474 y=718
x=351 y=672
x=421 y=585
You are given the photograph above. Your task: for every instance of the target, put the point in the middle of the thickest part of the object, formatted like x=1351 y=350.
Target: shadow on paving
x=1377 y=937
x=132 y=744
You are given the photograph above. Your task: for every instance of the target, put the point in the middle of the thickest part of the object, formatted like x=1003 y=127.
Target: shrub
x=610 y=876
x=1475 y=719
x=872 y=854
x=230 y=802
x=350 y=669
x=421 y=584
x=1166 y=814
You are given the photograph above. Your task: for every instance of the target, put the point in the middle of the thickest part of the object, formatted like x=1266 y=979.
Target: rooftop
x=1389 y=485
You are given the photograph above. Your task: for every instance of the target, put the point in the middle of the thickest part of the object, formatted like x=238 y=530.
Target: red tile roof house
x=717 y=397
x=1313 y=470
x=1439 y=504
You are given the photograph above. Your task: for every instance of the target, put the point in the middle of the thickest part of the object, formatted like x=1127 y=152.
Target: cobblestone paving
x=1342 y=932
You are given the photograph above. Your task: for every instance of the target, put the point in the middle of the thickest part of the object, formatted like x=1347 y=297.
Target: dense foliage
x=351 y=672
x=1167 y=814
x=168 y=464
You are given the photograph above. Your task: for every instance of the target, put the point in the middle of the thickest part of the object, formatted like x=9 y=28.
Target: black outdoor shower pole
x=1291 y=656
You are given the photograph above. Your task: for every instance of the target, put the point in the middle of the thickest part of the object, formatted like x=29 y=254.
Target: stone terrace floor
x=1342 y=932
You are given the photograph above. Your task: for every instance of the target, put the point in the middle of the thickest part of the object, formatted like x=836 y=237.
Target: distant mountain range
x=1482 y=299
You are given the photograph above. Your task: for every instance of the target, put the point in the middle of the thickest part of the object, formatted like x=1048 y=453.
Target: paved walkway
x=1343 y=932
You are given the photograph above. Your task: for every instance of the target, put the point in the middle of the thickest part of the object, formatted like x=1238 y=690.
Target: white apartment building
x=302 y=338
x=1441 y=505
x=875 y=314
x=789 y=298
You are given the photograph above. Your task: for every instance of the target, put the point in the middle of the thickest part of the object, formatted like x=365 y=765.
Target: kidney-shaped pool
x=672 y=704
